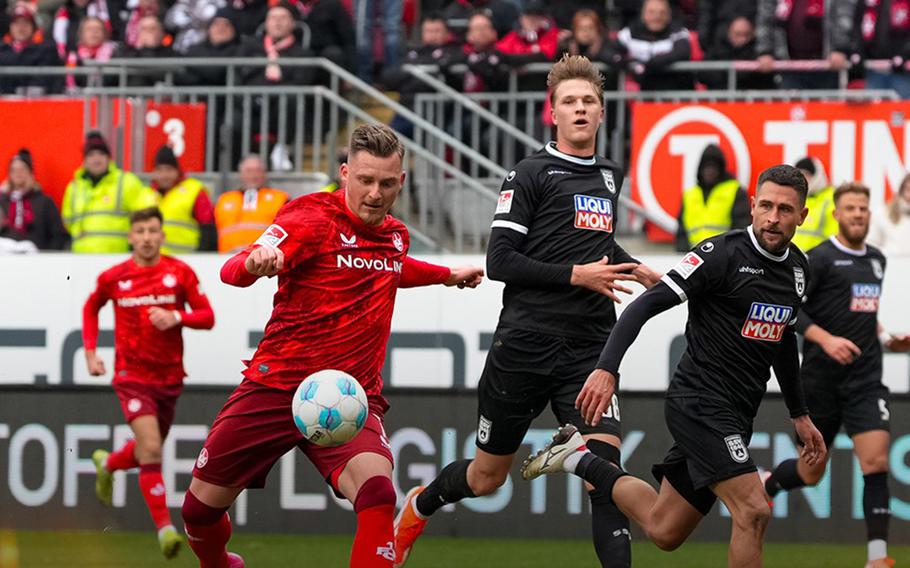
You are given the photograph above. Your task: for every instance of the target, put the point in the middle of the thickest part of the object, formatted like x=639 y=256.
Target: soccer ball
x=330 y=408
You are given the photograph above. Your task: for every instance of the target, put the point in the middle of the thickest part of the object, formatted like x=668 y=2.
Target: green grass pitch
x=140 y=550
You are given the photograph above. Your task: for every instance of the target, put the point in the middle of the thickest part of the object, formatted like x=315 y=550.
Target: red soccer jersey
x=336 y=293
x=143 y=353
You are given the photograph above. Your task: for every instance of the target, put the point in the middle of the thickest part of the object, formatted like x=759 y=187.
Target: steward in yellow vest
x=98 y=201
x=715 y=205
x=189 y=218
x=820 y=223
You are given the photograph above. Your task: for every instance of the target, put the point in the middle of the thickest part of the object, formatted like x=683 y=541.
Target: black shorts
x=711 y=445
x=859 y=403
x=523 y=373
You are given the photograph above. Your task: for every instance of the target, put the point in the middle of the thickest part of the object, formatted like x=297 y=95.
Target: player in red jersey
x=340 y=259
x=150 y=292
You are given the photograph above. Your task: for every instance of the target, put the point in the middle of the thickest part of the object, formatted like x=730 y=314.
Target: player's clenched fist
x=465 y=277
x=265 y=261
x=95 y=364
x=602 y=277
x=595 y=396
x=162 y=319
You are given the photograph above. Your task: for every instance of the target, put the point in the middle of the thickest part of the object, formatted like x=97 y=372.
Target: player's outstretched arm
x=417 y=273
x=90 y=310
x=247 y=266
x=598 y=390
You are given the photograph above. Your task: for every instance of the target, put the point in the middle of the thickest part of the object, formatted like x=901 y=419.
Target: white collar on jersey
x=551 y=149
x=840 y=246
x=763 y=252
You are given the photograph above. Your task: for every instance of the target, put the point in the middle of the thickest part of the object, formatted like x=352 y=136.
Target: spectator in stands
x=653 y=42
x=503 y=14
x=486 y=69
x=737 y=45
x=150 y=43
x=189 y=20
x=331 y=31
x=12 y=242
x=243 y=214
x=589 y=38
x=94 y=42
x=890 y=230
x=281 y=38
x=249 y=15
x=436 y=48
x=28 y=210
x=716 y=203
x=883 y=30
x=24 y=49
x=535 y=40
x=143 y=9
x=366 y=23
x=715 y=16
x=222 y=40
x=68 y=19
x=805 y=29
x=820 y=223
x=564 y=12
x=99 y=199
x=189 y=217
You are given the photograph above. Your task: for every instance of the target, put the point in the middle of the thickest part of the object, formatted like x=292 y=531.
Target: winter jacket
x=331 y=26
x=723 y=51
x=408 y=86
x=34 y=54
x=771 y=32
x=39 y=214
x=654 y=51
x=189 y=20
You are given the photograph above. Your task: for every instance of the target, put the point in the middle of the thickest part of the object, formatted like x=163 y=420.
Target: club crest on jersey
x=397 y=242
x=608 y=179
x=737 y=448
x=766 y=322
x=484 y=426
x=877 y=268
x=169 y=280
x=799 y=279
x=504 y=205
x=865 y=298
x=688 y=265
x=272 y=237
x=593 y=213
x=348 y=242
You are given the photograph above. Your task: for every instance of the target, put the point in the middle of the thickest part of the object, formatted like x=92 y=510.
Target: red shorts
x=140 y=399
x=255 y=428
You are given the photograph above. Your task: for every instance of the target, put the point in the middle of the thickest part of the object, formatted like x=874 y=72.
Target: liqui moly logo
x=766 y=322
x=593 y=213
x=865 y=298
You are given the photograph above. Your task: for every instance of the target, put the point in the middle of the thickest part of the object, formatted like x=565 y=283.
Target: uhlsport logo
x=766 y=322
x=865 y=298
x=593 y=213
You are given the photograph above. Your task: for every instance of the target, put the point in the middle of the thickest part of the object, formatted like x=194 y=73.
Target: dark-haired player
x=150 y=292
x=744 y=288
x=842 y=362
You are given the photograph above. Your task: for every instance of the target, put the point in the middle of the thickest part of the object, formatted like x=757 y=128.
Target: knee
x=874 y=464
x=753 y=516
x=485 y=481
x=666 y=539
x=375 y=492
x=195 y=512
x=148 y=453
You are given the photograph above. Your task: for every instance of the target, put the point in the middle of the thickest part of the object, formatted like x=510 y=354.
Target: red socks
x=123 y=458
x=208 y=530
x=154 y=493
x=374 y=541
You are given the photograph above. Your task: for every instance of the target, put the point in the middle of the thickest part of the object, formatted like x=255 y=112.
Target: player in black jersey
x=552 y=243
x=744 y=288
x=842 y=362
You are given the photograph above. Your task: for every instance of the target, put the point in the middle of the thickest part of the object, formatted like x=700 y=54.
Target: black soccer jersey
x=556 y=210
x=843 y=299
x=742 y=302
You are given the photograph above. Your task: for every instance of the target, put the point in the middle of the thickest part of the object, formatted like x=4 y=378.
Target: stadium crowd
x=474 y=43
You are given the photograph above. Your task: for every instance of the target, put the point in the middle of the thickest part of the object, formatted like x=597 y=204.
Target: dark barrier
x=48 y=435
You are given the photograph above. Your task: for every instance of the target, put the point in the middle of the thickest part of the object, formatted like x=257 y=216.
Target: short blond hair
x=850 y=187
x=575 y=67
x=375 y=139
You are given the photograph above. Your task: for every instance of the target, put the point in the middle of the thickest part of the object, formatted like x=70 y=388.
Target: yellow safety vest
x=704 y=220
x=820 y=223
x=97 y=216
x=181 y=230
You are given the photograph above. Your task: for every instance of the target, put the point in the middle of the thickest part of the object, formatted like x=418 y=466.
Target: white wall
x=46 y=292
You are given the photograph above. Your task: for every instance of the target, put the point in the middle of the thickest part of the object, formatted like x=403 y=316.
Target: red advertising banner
x=855 y=141
x=182 y=127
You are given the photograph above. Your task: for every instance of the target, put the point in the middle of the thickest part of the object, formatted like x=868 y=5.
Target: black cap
x=536 y=8
x=289 y=6
x=806 y=164
x=24 y=156
x=95 y=141
x=226 y=13
x=165 y=157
